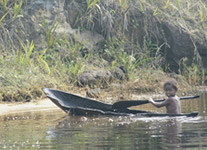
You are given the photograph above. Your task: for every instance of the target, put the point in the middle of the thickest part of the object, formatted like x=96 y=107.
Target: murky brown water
x=57 y=131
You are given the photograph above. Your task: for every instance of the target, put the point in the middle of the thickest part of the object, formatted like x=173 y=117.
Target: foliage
x=61 y=59
x=49 y=32
x=42 y=62
x=66 y=52
x=92 y=3
x=17 y=7
x=194 y=74
x=2 y=18
x=126 y=54
x=76 y=69
x=10 y=20
x=24 y=58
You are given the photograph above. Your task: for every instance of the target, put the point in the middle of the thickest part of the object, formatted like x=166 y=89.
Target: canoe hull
x=82 y=106
x=88 y=112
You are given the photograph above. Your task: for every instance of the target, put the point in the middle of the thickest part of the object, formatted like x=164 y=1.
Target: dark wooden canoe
x=78 y=105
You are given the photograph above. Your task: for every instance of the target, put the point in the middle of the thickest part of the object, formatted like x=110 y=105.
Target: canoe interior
x=78 y=105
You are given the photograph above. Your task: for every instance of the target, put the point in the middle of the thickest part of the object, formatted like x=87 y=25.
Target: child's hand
x=165 y=98
x=150 y=100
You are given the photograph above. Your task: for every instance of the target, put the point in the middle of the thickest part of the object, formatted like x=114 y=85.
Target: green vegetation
x=27 y=66
x=137 y=57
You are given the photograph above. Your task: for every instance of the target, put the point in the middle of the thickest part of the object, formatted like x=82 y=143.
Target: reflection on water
x=57 y=131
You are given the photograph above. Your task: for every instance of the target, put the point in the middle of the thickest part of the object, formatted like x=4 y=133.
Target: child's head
x=170 y=88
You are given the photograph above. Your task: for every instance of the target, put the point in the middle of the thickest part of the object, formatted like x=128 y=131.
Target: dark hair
x=172 y=83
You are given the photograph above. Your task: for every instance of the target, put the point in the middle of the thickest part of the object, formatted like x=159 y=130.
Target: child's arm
x=158 y=104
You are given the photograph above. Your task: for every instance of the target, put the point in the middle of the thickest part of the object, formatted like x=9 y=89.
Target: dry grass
x=146 y=83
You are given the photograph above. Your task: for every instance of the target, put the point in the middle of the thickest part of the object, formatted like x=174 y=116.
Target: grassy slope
x=23 y=74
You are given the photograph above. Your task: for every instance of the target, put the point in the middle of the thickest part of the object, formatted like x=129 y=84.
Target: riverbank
x=82 y=54
x=39 y=105
x=46 y=104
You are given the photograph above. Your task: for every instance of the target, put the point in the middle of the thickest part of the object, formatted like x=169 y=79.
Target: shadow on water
x=57 y=131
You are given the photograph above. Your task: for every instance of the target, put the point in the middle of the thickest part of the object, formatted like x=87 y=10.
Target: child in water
x=172 y=102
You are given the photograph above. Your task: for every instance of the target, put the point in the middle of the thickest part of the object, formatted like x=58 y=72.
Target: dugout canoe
x=83 y=106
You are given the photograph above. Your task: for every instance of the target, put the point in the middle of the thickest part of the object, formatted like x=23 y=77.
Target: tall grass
x=91 y=3
x=17 y=7
x=49 y=32
x=123 y=5
x=2 y=18
x=5 y=9
x=130 y=56
x=10 y=24
x=61 y=61
x=62 y=57
x=193 y=74
x=42 y=62
x=3 y=4
x=24 y=58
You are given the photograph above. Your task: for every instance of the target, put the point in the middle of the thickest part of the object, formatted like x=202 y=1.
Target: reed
x=194 y=75
x=42 y=62
x=24 y=59
x=17 y=7
x=49 y=32
x=92 y=3
x=2 y=18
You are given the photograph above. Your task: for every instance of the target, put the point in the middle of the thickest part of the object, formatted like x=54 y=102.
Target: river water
x=54 y=130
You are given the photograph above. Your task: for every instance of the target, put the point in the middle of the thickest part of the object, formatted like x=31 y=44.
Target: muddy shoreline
x=39 y=105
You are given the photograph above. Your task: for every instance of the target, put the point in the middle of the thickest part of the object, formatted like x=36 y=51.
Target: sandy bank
x=40 y=105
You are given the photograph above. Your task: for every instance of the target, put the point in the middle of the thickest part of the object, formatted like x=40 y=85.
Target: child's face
x=170 y=91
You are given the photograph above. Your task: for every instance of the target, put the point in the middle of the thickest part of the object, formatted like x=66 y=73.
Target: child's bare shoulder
x=172 y=99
